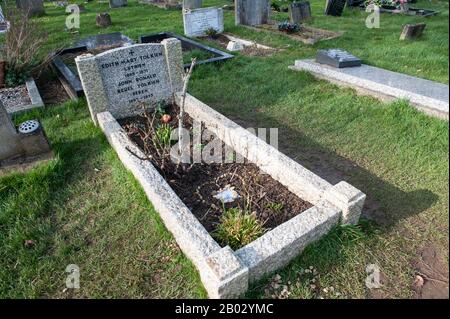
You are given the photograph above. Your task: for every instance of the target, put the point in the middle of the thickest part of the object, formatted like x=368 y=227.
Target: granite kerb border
x=226 y=273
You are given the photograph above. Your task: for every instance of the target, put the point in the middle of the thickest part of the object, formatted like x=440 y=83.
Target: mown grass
x=84 y=208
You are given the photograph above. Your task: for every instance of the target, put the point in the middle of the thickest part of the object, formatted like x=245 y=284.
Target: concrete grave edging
x=226 y=273
x=33 y=94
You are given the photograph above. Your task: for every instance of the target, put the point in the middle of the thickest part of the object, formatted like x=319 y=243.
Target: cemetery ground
x=84 y=208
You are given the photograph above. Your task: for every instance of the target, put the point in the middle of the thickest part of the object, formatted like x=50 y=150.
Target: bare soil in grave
x=51 y=90
x=253 y=51
x=307 y=34
x=197 y=185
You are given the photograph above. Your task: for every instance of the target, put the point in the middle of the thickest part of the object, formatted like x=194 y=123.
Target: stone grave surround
x=252 y=12
x=198 y=21
x=120 y=80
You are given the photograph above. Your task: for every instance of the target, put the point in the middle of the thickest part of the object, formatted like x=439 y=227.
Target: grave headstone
x=31 y=7
x=103 y=20
x=337 y=58
x=192 y=4
x=300 y=12
x=10 y=145
x=412 y=31
x=335 y=7
x=117 y=3
x=198 y=21
x=252 y=12
x=122 y=80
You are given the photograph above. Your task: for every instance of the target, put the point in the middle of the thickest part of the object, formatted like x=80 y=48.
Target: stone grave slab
x=427 y=96
x=198 y=21
x=120 y=80
x=10 y=144
x=412 y=31
x=335 y=7
x=252 y=12
x=337 y=58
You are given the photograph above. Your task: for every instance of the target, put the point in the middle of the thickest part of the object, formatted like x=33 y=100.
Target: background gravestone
x=192 y=4
x=10 y=145
x=412 y=31
x=335 y=7
x=120 y=80
x=32 y=7
x=252 y=12
x=118 y=3
x=300 y=12
x=337 y=58
x=103 y=20
x=198 y=21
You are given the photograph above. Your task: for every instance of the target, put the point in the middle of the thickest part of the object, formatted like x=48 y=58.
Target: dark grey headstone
x=412 y=31
x=300 y=11
x=103 y=20
x=252 y=12
x=118 y=3
x=335 y=7
x=337 y=58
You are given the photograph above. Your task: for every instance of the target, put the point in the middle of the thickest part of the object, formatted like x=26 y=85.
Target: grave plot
x=427 y=96
x=191 y=48
x=302 y=33
x=232 y=43
x=127 y=89
x=64 y=61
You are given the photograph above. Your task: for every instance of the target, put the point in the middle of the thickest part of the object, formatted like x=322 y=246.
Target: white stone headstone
x=119 y=80
x=197 y=21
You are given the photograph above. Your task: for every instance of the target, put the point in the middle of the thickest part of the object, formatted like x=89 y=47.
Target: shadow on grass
x=385 y=204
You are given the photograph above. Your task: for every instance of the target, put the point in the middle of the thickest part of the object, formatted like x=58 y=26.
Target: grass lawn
x=84 y=208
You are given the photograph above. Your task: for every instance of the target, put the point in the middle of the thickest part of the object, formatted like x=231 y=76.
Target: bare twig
x=186 y=78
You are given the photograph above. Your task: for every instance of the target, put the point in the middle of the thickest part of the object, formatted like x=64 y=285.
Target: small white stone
x=235 y=46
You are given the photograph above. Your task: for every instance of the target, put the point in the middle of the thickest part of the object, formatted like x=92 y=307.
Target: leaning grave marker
x=225 y=273
x=198 y=21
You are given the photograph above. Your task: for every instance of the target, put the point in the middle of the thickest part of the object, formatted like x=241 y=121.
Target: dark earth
x=271 y=201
